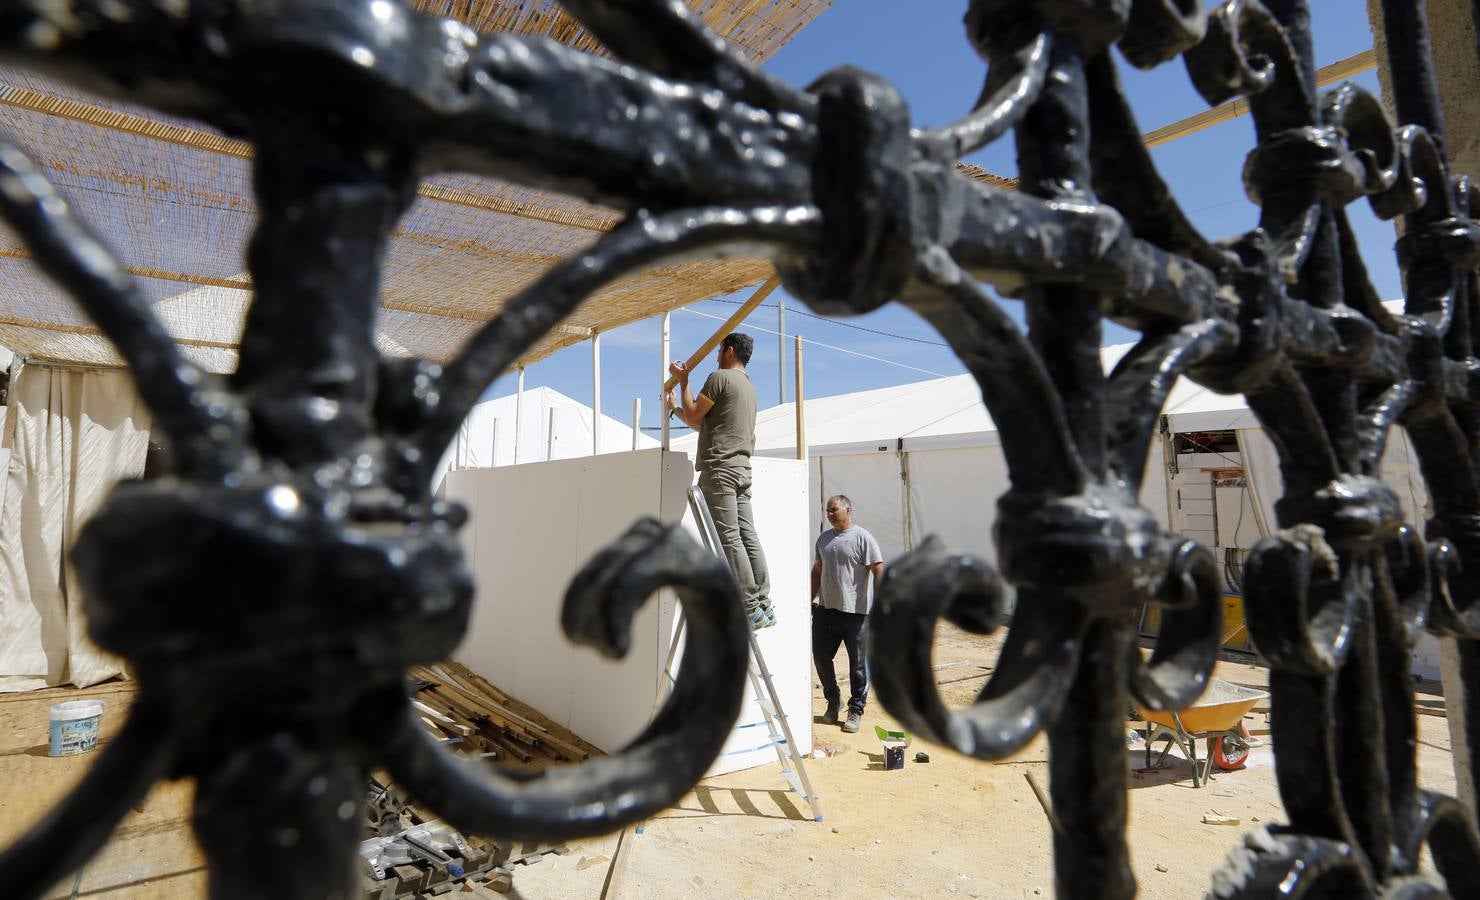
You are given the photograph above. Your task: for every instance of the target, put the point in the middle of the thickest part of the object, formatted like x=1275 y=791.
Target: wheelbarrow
x=1217 y=717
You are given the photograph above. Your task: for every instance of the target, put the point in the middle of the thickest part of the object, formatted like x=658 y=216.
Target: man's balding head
x=839 y=511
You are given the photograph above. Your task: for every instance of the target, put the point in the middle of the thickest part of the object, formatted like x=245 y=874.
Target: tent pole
x=518 y=410
x=493 y=445
x=781 y=350
x=549 y=434
x=667 y=356
x=636 y=420
x=595 y=392
x=801 y=406
x=904 y=487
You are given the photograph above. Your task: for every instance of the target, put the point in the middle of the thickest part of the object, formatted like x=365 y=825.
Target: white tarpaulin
x=72 y=435
x=872 y=483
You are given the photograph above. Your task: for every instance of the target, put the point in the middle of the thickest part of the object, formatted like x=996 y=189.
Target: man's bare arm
x=690 y=411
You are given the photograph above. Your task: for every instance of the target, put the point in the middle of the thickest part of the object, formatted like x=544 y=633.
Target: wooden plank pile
x=457 y=704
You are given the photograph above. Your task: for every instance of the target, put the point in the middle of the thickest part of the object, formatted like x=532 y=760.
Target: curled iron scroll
x=931 y=584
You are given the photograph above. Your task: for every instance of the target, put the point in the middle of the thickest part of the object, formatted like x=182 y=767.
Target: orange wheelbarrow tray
x=1216 y=717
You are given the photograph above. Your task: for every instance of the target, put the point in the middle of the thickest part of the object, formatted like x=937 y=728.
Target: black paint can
x=894 y=757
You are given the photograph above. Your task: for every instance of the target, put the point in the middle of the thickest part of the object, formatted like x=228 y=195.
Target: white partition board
x=534 y=525
x=780 y=499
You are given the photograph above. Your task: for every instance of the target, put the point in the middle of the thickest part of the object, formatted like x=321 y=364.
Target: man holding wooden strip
x=724 y=416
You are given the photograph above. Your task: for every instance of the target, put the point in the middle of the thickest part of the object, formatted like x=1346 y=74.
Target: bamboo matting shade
x=173 y=200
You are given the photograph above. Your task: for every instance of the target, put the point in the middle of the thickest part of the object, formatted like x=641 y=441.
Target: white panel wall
x=534 y=525
x=781 y=502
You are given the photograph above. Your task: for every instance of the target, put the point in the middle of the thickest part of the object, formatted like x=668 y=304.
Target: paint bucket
x=74 y=727
x=894 y=756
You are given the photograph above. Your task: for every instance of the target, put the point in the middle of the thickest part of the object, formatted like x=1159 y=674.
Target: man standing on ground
x=724 y=415
x=846 y=577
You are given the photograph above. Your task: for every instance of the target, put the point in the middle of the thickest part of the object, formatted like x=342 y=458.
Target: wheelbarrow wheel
x=1229 y=752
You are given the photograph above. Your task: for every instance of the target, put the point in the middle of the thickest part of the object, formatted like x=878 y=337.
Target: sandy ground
x=954 y=826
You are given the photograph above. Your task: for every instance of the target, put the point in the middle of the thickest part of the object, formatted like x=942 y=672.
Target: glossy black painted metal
x=305 y=475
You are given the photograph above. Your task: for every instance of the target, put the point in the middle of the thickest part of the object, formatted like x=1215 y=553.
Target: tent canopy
x=173 y=200
x=550 y=426
x=948 y=412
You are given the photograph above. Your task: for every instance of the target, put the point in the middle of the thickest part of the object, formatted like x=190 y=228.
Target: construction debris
x=408 y=854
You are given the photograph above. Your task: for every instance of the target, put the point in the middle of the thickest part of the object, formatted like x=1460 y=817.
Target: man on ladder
x=724 y=416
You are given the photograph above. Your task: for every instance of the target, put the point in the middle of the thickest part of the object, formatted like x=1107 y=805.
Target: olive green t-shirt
x=727 y=431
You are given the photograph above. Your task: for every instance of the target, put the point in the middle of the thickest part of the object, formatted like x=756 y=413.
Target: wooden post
x=636 y=420
x=801 y=407
x=755 y=300
x=595 y=392
x=518 y=412
x=781 y=350
x=667 y=356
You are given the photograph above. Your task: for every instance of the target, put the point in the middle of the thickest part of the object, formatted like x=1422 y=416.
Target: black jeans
x=831 y=627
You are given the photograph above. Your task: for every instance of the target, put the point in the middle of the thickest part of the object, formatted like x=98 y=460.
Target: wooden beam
x=663 y=407
x=801 y=406
x=730 y=324
x=595 y=392
x=93 y=331
x=1338 y=71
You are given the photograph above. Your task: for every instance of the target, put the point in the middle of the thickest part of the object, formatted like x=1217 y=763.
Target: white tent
x=926 y=458
x=915 y=459
x=550 y=426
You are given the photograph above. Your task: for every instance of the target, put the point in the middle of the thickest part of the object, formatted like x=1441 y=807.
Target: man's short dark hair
x=841 y=498
x=742 y=344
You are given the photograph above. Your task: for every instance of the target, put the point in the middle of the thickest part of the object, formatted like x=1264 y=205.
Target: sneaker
x=761 y=618
x=830 y=717
x=855 y=721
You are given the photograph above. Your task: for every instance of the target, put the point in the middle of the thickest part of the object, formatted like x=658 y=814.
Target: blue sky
x=921 y=48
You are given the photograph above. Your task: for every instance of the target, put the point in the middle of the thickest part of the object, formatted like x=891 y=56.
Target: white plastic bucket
x=74 y=727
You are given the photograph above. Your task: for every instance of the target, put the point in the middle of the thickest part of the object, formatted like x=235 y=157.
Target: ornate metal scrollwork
x=306 y=473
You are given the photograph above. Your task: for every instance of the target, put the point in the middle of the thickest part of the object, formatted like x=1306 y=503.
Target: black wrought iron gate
x=296 y=533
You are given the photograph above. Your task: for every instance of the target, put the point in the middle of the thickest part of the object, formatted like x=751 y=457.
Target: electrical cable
x=888 y=334
x=826 y=346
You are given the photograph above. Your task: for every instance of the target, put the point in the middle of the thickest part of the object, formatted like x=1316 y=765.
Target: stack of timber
x=408 y=854
x=461 y=707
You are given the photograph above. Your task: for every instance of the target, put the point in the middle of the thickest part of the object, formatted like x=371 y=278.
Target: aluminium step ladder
x=793 y=769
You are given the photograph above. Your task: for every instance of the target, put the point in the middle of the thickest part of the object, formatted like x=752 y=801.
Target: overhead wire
x=880 y=359
x=840 y=324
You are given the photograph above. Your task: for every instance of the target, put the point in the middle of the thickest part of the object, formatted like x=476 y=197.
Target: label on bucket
x=74 y=727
